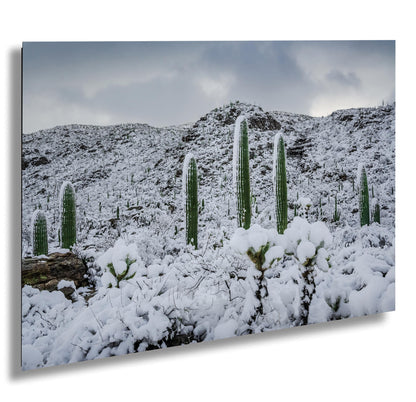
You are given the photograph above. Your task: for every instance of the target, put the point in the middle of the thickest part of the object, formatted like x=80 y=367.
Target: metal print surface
x=181 y=192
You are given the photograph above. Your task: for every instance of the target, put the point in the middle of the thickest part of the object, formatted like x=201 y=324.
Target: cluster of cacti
x=241 y=173
x=190 y=191
x=67 y=205
x=39 y=233
x=67 y=227
x=364 y=200
x=279 y=181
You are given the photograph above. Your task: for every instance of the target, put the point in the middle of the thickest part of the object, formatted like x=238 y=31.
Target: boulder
x=44 y=273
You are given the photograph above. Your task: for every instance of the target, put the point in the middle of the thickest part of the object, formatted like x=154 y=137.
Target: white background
x=362 y=359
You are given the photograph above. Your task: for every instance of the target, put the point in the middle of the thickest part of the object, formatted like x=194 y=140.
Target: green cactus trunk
x=280 y=185
x=68 y=216
x=191 y=200
x=364 y=199
x=376 y=217
x=243 y=179
x=39 y=234
x=336 y=213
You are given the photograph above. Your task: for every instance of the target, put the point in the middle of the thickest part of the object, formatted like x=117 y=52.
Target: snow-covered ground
x=179 y=295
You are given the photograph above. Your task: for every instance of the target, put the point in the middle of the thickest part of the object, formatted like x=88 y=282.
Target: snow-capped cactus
x=241 y=172
x=364 y=199
x=190 y=195
x=39 y=233
x=68 y=215
x=279 y=182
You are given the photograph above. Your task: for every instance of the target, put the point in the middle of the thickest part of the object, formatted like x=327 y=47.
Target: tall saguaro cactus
x=364 y=201
x=190 y=190
x=241 y=172
x=279 y=182
x=68 y=215
x=39 y=233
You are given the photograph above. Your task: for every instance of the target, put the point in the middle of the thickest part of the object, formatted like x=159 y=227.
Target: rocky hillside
x=137 y=169
x=130 y=219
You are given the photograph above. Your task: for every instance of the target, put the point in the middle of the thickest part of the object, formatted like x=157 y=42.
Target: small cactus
x=39 y=233
x=190 y=193
x=68 y=215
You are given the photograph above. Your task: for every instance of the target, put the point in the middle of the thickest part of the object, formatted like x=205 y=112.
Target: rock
x=41 y=160
x=299 y=147
x=264 y=122
x=45 y=273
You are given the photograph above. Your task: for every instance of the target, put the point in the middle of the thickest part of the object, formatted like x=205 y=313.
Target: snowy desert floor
x=177 y=295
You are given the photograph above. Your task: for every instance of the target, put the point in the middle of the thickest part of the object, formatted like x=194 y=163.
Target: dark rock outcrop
x=44 y=273
x=263 y=122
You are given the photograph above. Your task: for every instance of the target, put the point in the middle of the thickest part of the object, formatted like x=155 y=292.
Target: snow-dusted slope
x=185 y=295
x=141 y=166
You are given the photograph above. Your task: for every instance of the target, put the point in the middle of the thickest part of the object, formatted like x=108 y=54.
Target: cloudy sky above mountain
x=167 y=83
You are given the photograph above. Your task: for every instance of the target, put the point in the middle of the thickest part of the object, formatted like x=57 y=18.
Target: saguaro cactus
x=376 y=214
x=336 y=212
x=39 y=233
x=279 y=182
x=241 y=172
x=364 y=202
x=68 y=215
x=190 y=193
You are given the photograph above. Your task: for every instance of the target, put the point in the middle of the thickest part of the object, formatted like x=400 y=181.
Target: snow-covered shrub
x=190 y=193
x=364 y=198
x=305 y=243
x=261 y=245
x=279 y=182
x=303 y=205
x=39 y=233
x=241 y=172
x=67 y=207
x=119 y=264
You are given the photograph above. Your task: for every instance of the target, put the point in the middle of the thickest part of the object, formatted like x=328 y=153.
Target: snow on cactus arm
x=67 y=208
x=279 y=182
x=305 y=251
x=190 y=196
x=258 y=244
x=320 y=235
x=274 y=253
x=119 y=264
x=39 y=233
x=241 y=173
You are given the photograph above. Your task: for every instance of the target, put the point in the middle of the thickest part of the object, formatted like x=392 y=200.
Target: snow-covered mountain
x=182 y=295
x=139 y=168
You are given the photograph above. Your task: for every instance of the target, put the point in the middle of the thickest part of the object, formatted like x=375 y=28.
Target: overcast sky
x=166 y=83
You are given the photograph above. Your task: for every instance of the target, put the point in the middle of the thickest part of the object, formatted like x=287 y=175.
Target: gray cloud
x=345 y=79
x=163 y=83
